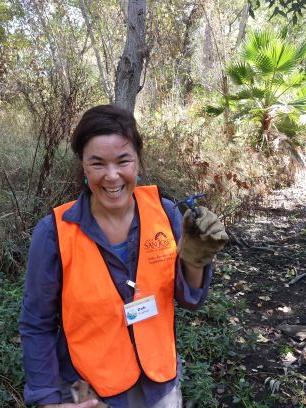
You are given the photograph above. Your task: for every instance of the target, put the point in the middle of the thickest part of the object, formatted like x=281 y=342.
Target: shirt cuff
x=187 y=296
x=42 y=396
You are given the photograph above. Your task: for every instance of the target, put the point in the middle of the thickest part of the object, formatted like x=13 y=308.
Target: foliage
x=49 y=75
x=11 y=377
x=244 y=395
x=271 y=82
x=289 y=9
x=186 y=153
x=203 y=338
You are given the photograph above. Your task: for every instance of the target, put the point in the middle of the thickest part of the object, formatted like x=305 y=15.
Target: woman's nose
x=111 y=173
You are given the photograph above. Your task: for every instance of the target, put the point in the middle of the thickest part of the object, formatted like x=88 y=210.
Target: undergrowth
x=204 y=340
x=183 y=155
x=11 y=372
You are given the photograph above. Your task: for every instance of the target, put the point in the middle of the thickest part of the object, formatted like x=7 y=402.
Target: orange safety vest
x=100 y=344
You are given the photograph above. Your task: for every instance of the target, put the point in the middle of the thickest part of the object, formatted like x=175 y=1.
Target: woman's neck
x=114 y=223
x=111 y=213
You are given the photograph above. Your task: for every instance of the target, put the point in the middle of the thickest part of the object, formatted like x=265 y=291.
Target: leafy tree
x=292 y=9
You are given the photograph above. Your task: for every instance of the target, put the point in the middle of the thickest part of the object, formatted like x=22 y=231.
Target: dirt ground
x=264 y=262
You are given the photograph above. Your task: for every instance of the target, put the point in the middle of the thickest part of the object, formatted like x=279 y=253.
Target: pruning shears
x=191 y=202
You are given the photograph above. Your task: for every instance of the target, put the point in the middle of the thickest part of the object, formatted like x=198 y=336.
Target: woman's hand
x=203 y=236
x=86 y=404
x=83 y=396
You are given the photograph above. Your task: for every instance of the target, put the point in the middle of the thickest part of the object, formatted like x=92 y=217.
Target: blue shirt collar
x=79 y=212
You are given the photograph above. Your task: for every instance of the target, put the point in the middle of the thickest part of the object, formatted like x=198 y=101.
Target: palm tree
x=268 y=74
x=271 y=81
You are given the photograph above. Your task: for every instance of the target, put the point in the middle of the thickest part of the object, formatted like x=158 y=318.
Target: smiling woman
x=96 y=259
x=110 y=164
x=109 y=145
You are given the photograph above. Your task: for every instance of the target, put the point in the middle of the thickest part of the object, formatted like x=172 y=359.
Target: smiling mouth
x=113 y=192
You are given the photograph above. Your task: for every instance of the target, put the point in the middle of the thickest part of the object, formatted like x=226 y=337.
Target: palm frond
x=253 y=92
x=255 y=41
x=302 y=91
x=276 y=57
x=294 y=80
x=241 y=73
x=264 y=63
x=301 y=52
x=299 y=104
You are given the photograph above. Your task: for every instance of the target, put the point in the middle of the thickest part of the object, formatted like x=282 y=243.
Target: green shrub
x=204 y=338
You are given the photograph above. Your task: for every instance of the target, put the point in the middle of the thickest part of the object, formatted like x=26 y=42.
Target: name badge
x=140 y=309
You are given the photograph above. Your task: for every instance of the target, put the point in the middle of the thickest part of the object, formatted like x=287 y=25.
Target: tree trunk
x=243 y=23
x=185 y=57
x=130 y=66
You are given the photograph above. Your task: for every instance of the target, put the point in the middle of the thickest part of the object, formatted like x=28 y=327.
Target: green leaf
x=294 y=80
x=299 y=104
x=241 y=73
x=248 y=94
x=214 y=110
x=281 y=55
x=301 y=52
x=302 y=91
x=255 y=41
x=264 y=63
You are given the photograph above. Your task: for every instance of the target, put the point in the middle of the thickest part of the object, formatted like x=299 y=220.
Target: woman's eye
x=124 y=162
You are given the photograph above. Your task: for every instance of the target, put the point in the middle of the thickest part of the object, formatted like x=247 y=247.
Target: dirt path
x=267 y=253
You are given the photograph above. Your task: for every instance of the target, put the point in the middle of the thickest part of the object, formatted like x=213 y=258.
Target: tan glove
x=81 y=391
x=203 y=236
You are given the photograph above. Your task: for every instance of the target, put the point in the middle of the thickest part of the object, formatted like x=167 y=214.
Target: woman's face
x=111 y=166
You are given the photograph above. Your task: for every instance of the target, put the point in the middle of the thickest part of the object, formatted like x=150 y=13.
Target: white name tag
x=140 y=309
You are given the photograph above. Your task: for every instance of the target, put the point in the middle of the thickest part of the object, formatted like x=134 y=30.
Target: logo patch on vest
x=160 y=248
x=160 y=241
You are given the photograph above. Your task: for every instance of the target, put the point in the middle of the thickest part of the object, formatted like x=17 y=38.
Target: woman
x=102 y=276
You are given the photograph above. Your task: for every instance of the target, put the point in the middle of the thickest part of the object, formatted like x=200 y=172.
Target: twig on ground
x=260 y=248
x=235 y=239
x=297 y=278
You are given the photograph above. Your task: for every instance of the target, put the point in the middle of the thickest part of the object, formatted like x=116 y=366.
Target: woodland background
x=219 y=92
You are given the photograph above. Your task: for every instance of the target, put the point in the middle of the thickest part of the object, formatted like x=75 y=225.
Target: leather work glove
x=203 y=236
x=81 y=391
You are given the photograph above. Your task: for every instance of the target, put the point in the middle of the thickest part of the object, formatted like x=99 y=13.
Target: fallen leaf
x=285 y=309
x=265 y=298
x=262 y=339
x=234 y=320
x=288 y=359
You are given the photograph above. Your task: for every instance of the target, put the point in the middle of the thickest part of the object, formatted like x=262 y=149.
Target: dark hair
x=104 y=120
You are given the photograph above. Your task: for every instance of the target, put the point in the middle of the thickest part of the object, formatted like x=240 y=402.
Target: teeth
x=113 y=191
